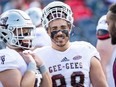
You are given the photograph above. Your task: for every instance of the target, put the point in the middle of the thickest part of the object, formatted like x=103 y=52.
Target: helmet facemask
x=56 y=10
x=16 y=37
x=56 y=13
x=16 y=29
x=23 y=37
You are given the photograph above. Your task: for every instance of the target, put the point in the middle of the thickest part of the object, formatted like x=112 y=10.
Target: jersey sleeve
x=102 y=34
x=89 y=49
x=92 y=51
x=102 y=29
x=7 y=62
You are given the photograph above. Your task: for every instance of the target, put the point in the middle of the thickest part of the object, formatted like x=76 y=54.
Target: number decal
x=58 y=77
x=79 y=75
x=77 y=80
x=2 y=59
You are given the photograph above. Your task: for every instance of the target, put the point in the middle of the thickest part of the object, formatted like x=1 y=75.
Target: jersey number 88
x=74 y=75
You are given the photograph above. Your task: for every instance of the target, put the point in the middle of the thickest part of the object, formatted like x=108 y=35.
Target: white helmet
x=55 y=10
x=12 y=25
x=35 y=14
x=102 y=24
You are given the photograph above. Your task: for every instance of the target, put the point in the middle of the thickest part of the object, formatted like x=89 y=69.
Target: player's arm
x=46 y=78
x=10 y=78
x=28 y=79
x=104 y=47
x=97 y=76
x=13 y=78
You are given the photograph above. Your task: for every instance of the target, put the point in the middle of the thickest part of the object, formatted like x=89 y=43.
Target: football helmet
x=35 y=14
x=55 y=10
x=16 y=29
x=102 y=29
x=102 y=24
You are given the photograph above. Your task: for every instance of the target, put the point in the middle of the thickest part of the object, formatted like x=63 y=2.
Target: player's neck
x=61 y=48
x=20 y=50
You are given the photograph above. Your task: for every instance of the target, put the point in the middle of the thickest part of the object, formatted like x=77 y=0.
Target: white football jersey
x=42 y=38
x=71 y=67
x=10 y=59
x=102 y=24
x=109 y=70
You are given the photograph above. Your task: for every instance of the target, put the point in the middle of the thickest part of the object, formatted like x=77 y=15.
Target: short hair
x=112 y=8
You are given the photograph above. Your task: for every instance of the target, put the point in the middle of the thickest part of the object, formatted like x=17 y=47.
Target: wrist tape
x=31 y=67
x=42 y=69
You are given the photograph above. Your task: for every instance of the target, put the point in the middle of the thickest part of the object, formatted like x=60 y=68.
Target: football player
x=17 y=32
x=75 y=64
x=111 y=21
x=105 y=49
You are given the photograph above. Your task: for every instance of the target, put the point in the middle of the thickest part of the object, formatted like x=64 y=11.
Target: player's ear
x=69 y=25
x=48 y=31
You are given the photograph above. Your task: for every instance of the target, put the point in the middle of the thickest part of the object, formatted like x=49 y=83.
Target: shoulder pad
x=102 y=34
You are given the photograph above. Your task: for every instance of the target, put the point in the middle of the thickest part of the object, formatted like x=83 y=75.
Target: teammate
x=75 y=64
x=111 y=21
x=42 y=38
x=105 y=49
x=16 y=31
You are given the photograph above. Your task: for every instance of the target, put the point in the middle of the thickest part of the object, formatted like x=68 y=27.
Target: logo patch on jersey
x=2 y=59
x=64 y=59
x=77 y=57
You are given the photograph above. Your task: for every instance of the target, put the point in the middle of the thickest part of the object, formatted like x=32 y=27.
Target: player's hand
x=31 y=54
x=27 y=57
x=37 y=59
